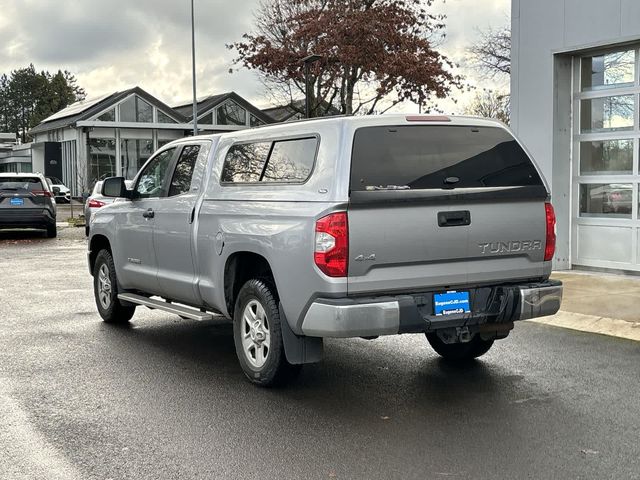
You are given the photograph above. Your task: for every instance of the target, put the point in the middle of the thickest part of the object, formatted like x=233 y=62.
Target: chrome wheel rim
x=104 y=287
x=256 y=337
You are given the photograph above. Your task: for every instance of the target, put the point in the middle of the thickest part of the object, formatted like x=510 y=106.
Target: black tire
x=52 y=231
x=275 y=371
x=86 y=230
x=459 y=352
x=113 y=311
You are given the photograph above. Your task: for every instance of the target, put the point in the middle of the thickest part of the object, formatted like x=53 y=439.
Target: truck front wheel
x=459 y=352
x=105 y=288
x=258 y=336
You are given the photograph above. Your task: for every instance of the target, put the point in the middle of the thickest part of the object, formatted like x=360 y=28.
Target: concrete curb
x=592 y=324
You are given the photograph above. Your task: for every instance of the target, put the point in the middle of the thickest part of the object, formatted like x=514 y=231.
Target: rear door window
x=183 y=173
x=422 y=157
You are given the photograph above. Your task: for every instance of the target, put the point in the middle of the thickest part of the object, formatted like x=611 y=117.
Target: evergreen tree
x=28 y=97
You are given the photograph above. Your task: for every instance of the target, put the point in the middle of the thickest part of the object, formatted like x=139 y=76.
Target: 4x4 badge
x=368 y=258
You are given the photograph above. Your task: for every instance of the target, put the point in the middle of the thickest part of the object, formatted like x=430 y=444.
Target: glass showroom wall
x=606 y=179
x=102 y=159
x=136 y=146
x=123 y=151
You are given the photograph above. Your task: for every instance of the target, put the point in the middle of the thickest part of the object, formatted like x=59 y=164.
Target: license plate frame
x=16 y=202
x=452 y=302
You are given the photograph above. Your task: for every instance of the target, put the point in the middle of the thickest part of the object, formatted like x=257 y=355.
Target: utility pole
x=307 y=61
x=193 y=73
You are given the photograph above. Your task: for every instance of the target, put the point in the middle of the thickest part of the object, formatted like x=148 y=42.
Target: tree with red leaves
x=375 y=53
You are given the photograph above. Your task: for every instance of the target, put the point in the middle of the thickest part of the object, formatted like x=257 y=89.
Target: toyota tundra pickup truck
x=333 y=228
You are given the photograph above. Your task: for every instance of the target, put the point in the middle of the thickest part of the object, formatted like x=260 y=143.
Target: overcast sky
x=115 y=44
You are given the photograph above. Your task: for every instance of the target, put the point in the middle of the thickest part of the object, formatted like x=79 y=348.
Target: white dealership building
x=575 y=104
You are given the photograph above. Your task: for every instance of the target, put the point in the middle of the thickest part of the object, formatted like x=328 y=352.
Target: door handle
x=149 y=213
x=454 y=219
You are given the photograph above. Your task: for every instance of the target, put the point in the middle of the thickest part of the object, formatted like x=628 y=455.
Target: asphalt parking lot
x=166 y=399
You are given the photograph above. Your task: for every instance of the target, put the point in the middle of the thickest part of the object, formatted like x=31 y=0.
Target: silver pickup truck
x=341 y=227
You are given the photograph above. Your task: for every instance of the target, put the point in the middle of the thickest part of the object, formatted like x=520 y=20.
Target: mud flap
x=299 y=349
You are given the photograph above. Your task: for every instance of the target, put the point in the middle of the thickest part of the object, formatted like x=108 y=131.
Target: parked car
x=342 y=227
x=97 y=200
x=60 y=191
x=26 y=201
x=618 y=199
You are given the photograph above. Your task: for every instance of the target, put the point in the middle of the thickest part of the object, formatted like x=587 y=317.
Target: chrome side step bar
x=180 y=310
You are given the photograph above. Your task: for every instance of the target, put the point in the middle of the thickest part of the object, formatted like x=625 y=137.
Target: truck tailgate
x=449 y=206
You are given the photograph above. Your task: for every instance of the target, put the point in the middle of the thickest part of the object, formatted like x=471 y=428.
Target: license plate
x=450 y=303
x=17 y=201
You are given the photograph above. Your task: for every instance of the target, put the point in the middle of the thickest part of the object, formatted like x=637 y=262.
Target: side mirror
x=56 y=191
x=115 y=187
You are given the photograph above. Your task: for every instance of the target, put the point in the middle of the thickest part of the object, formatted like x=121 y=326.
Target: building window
x=206 y=120
x=613 y=113
x=134 y=109
x=134 y=153
x=616 y=69
x=255 y=121
x=102 y=159
x=606 y=200
x=606 y=157
x=163 y=118
x=230 y=113
x=109 y=116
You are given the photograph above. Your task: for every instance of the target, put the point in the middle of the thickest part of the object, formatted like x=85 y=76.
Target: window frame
x=272 y=141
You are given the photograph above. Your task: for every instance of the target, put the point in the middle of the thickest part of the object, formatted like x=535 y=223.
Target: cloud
x=116 y=44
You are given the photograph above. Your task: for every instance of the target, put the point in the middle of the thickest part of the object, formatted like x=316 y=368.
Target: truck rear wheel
x=105 y=289
x=258 y=336
x=459 y=352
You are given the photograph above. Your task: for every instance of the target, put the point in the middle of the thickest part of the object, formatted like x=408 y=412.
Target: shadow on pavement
x=356 y=375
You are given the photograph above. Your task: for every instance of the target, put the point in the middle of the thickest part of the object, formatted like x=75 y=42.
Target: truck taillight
x=95 y=204
x=332 y=244
x=550 y=246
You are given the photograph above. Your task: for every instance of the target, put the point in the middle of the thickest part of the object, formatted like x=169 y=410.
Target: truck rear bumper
x=389 y=315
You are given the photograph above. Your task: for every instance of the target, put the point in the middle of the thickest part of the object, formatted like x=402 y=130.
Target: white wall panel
x=630 y=21
x=613 y=244
x=588 y=22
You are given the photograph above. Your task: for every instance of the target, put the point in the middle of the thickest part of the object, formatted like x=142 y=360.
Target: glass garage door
x=606 y=225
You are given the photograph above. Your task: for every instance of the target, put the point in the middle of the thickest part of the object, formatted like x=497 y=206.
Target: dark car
x=26 y=201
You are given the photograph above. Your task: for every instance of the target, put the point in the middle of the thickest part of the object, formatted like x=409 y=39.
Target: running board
x=187 y=312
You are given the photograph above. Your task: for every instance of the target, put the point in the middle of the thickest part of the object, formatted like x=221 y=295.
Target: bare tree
x=492 y=53
x=490 y=104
